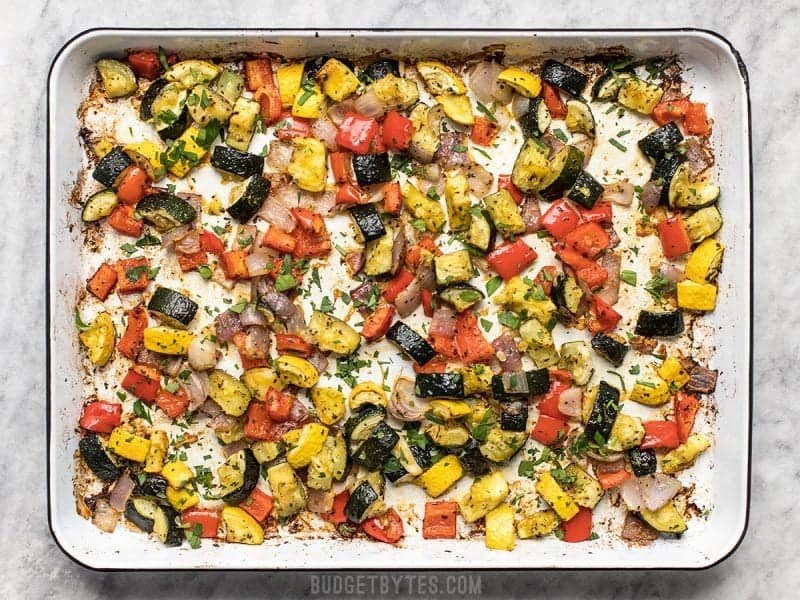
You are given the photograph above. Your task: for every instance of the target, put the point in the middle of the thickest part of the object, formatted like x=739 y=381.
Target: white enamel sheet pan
x=717 y=75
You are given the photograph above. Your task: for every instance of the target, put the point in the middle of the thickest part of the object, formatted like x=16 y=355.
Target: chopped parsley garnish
x=133 y=274
x=628 y=277
x=141 y=411
x=658 y=286
x=238 y=307
x=509 y=319
x=493 y=284
x=487 y=111
x=560 y=135
x=617 y=145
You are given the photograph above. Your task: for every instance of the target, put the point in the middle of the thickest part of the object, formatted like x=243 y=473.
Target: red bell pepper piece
x=130 y=344
x=548 y=430
x=377 y=146
x=599 y=213
x=427 y=302
x=510 y=259
x=472 y=347
x=123 y=221
x=439 y=522
x=400 y=282
x=290 y=342
x=356 y=133
x=545 y=277
x=670 y=110
x=103 y=281
x=560 y=219
x=552 y=99
x=695 y=121
x=612 y=479
x=588 y=271
x=257 y=73
x=100 y=416
x=143 y=382
x=279 y=240
x=257 y=424
x=686 y=407
x=336 y=514
x=674 y=239
x=387 y=527
x=483 y=131
x=607 y=317
x=444 y=345
x=133 y=185
x=376 y=325
x=548 y=404
x=504 y=183
x=132 y=275
x=173 y=404
x=145 y=63
x=207 y=519
x=588 y=239
x=251 y=357
x=660 y=434
x=279 y=405
x=392 y=201
x=312 y=235
x=189 y=262
x=579 y=527
x=234 y=264
x=349 y=193
x=258 y=505
x=290 y=127
x=434 y=365
x=340 y=165
x=209 y=242
x=396 y=131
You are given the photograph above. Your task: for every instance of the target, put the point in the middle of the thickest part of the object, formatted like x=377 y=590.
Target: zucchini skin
x=166 y=211
x=360 y=500
x=381 y=68
x=134 y=517
x=410 y=342
x=652 y=324
x=573 y=167
x=369 y=221
x=176 y=129
x=372 y=168
x=253 y=196
x=532 y=123
x=585 y=191
x=364 y=411
x=604 y=411
x=153 y=485
x=538 y=381
x=172 y=307
x=374 y=451
x=440 y=385
x=96 y=458
x=150 y=94
x=643 y=462
x=566 y=78
x=609 y=348
x=473 y=460
x=111 y=166
x=174 y=533
x=236 y=162
x=663 y=171
x=658 y=143
x=313 y=65
x=251 y=473
x=514 y=416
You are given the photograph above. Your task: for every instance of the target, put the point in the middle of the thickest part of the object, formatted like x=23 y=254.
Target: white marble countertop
x=764 y=32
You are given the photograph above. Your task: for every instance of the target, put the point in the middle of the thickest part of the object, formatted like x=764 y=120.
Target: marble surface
x=765 y=34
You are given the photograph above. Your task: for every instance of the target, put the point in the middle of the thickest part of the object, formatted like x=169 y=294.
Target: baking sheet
x=712 y=67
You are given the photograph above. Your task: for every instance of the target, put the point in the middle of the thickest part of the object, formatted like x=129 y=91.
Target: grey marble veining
x=766 y=35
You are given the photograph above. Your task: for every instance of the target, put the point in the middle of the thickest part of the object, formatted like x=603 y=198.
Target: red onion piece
x=223 y=423
x=479 y=180
x=267 y=296
x=121 y=492
x=227 y=324
x=447 y=156
x=403 y=404
x=619 y=192
x=505 y=347
x=277 y=210
x=355 y=260
x=552 y=142
x=319 y=360
x=257 y=341
x=502 y=92
x=699 y=157
x=426 y=276
x=531 y=213
x=569 y=402
x=105 y=517
x=325 y=131
x=338 y=111
x=637 y=531
x=519 y=105
x=194 y=200
x=409 y=299
x=398 y=249
x=369 y=105
x=197 y=389
x=210 y=408
x=320 y=501
x=443 y=323
x=189 y=243
x=611 y=262
x=234 y=447
x=279 y=156
x=252 y=316
x=670 y=272
x=482 y=80
x=173 y=235
x=650 y=196
x=432 y=172
x=259 y=262
x=657 y=489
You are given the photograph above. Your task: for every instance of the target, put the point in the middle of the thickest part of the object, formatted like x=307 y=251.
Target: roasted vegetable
x=309 y=166
x=329 y=404
x=95 y=457
x=576 y=358
x=584 y=489
x=309 y=442
x=456 y=194
x=453 y=268
x=332 y=334
x=610 y=347
x=552 y=493
x=369 y=222
x=538 y=524
x=240 y=527
x=118 y=78
x=485 y=494
x=422 y=207
x=288 y=491
x=605 y=407
x=504 y=213
x=232 y=395
x=501 y=445
x=127 y=444
x=666 y=519
x=440 y=385
x=639 y=95
x=562 y=76
x=627 y=432
x=172 y=308
x=653 y=324
x=684 y=455
x=439 y=78
x=297 y=371
x=99 y=339
x=441 y=476
x=500 y=528
x=242 y=476
x=410 y=342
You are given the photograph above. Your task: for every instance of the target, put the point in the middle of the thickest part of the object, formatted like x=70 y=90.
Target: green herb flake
x=493 y=284
x=205 y=272
x=141 y=411
x=617 y=145
x=560 y=135
x=487 y=111
x=238 y=307
x=628 y=277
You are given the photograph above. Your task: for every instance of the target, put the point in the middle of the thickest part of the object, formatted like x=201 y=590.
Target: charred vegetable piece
x=579 y=117
x=172 y=308
x=361 y=499
x=657 y=144
x=567 y=294
x=473 y=459
x=663 y=172
x=514 y=416
x=250 y=474
x=440 y=385
x=508 y=387
x=165 y=211
x=252 y=197
x=607 y=85
x=411 y=343
x=374 y=451
x=369 y=221
x=313 y=65
x=146 y=107
x=567 y=166
x=585 y=191
x=643 y=462
x=362 y=421
x=371 y=168
x=111 y=166
x=604 y=411
x=610 y=348
x=381 y=68
x=151 y=485
x=563 y=77
x=535 y=121
x=96 y=458
x=652 y=324
x=236 y=162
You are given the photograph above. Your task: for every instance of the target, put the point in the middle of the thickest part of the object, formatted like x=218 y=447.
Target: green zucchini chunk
x=176 y=128
x=313 y=65
x=535 y=121
x=461 y=297
x=150 y=484
x=658 y=143
x=172 y=308
x=368 y=221
x=652 y=324
x=249 y=480
x=513 y=416
x=610 y=348
x=374 y=451
x=573 y=167
x=96 y=458
x=473 y=459
x=585 y=191
x=576 y=358
x=481 y=234
x=439 y=385
x=363 y=420
x=141 y=521
x=410 y=342
x=165 y=211
x=579 y=117
x=372 y=168
x=608 y=85
x=235 y=162
x=99 y=205
x=567 y=295
x=643 y=462
x=253 y=195
x=563 y=77
x=111 y=166
x=150 y=94
x=604 y=412
x=663 y=172
x=362 y=497
x=519 y=385
x=381 y=68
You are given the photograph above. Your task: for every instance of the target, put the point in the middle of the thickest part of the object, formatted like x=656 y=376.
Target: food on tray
x=387 y=297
